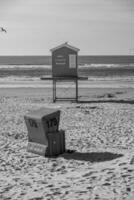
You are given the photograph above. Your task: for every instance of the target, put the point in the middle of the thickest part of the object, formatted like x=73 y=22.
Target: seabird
x=3 y=30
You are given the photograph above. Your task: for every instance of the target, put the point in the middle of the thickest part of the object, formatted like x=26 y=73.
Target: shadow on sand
x=106 y=101
x=92 y=156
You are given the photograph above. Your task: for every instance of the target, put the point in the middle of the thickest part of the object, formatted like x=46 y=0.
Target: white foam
x=93 y=65
x=25 y=66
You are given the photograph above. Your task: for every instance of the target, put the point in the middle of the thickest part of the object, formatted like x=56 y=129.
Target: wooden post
x=54 y=90
x=76 y=89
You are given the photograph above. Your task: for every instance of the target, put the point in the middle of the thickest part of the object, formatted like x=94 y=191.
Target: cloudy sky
x=99 y=27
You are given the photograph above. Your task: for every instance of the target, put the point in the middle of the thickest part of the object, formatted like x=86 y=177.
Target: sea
x=16 y=69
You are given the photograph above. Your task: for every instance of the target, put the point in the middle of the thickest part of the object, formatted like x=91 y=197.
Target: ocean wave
x=80 y=66
x=25 y=66
x=106 y=65
x=18 y=78
x=111 y=78
x=93 y=78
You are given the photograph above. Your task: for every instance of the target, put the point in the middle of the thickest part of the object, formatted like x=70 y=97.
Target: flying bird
x=3 y=30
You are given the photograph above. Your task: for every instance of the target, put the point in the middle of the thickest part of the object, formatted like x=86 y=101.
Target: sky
x=96 y=27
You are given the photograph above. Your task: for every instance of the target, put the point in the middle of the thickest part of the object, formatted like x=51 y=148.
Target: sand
x=99 y=133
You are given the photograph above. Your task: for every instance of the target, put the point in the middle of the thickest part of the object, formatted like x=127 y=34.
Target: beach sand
x=99 y=131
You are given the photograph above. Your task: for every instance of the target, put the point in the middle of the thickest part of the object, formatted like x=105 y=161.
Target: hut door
x=72 y=61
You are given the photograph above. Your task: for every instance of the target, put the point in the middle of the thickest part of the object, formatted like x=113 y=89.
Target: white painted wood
x=72 y=61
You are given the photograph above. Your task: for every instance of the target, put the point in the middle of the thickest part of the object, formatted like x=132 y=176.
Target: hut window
x=72 y=61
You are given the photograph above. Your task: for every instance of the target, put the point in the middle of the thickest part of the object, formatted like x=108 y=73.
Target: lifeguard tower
x=65 y=69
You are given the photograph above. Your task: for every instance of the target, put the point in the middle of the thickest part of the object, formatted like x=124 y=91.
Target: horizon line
x=78 y=55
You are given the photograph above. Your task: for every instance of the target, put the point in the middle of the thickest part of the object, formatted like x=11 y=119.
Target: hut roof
x=65 y=45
